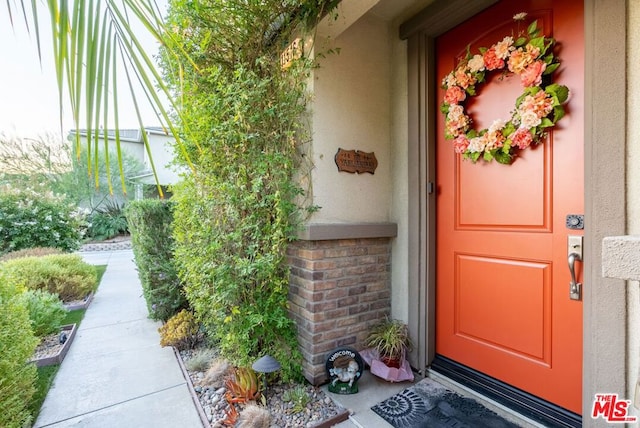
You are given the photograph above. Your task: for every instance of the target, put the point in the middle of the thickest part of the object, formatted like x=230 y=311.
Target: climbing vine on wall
x=243 y=127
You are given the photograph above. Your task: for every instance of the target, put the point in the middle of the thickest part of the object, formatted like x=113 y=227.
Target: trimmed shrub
x=30 y=219
x=150 y=222
x=17 y=344
x=46 y=311
x=30 y=252
x=65 y=275
x=180 y=331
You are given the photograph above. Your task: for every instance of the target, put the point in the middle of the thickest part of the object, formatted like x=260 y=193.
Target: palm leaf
x=91 y=40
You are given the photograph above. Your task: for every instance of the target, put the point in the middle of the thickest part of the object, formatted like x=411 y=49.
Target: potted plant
x=390 y=338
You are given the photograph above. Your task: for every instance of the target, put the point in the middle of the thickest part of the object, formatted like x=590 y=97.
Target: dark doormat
x=428 y=404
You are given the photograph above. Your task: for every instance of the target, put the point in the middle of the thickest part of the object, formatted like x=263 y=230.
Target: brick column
x=338 y=289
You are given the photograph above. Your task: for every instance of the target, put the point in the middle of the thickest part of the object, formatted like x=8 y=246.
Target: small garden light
x=264 y=365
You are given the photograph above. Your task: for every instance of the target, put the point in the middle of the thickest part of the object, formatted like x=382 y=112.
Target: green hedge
x=17 y=344
x=66 y=275
x=150 y=223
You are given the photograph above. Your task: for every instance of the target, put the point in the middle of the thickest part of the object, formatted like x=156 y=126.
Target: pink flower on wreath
x=454 y=95
x=460 y=144
x=522 y=138
x=532 y=75
x=521 y=58
x=541 y=104
x=464 y=78
x=491 y=60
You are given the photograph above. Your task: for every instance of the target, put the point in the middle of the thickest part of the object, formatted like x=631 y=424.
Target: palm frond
x=91 y=40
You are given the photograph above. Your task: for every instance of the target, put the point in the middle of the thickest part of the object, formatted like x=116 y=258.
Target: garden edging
x=57 y=359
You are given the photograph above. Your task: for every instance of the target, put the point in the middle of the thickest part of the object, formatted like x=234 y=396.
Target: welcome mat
x=428 y=404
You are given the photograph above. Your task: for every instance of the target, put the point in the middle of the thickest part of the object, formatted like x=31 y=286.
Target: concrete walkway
x=116 y=374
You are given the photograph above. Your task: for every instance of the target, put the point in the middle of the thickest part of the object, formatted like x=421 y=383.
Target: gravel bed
x=49 y=346
x=211 y=396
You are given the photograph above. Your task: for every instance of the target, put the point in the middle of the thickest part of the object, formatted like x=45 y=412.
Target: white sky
x=28 y=90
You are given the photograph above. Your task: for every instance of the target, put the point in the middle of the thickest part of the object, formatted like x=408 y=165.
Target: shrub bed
x=150 y=222
x=65 y=275
x=46 y=311
x=17 y=344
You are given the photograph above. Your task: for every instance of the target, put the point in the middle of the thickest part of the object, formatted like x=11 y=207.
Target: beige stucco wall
x=633 y=187
x=360 y=102
x=351 y=110
x=400 y=185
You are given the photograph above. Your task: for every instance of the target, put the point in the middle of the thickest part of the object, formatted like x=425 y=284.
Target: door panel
x=502 y=293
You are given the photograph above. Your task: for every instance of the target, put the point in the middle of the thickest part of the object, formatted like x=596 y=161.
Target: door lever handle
x=575 y=288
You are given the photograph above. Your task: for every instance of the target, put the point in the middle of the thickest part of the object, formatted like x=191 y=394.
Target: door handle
x=575 y=288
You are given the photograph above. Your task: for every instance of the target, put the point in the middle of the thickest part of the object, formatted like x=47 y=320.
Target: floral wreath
x=537 y=109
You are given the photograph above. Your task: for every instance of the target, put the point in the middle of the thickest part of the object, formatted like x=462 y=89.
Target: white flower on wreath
x=504 y=47
x=529 y=119
x=476 y=64
x=477 y=144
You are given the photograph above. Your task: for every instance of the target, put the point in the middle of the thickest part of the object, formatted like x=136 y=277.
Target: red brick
x=333 y=274
x=347 y=321
x=321 y=306
x=335 y=294
x=337 y=333
x=358 y=290
x=347 y=301
x=337 y=313
x=311 y=254
x=333 y=252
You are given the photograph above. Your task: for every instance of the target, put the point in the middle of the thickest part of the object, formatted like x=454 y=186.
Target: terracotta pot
x=391 y=362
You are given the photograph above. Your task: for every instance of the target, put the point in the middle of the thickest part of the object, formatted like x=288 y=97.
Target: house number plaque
x=356 y=161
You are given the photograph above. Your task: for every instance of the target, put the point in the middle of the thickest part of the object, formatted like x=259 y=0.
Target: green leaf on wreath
x=533 y=29
x=483 y=50
x=560 y=92
x=503 y=158
x=508 y=129
x=488 y=156
x=558 y=113
x=520 y=42
x=548 y=59
x=474 y=156
x=471 y=90
x=444 y=108
x=551 y=68
x=506 y=147
x=546 y=123
x=538 y=42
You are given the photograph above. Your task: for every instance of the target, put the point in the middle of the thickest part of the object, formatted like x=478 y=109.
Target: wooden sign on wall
x=356 y=161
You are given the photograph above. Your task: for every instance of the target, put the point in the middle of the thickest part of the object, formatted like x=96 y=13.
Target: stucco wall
x=351 y=110
x=633 y=187
x=361 y=103
x=400 y=185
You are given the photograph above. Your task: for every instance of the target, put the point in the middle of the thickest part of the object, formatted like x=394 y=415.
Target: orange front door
x=503 y=305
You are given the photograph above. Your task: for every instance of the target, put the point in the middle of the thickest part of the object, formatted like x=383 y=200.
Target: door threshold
x=518 y=406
